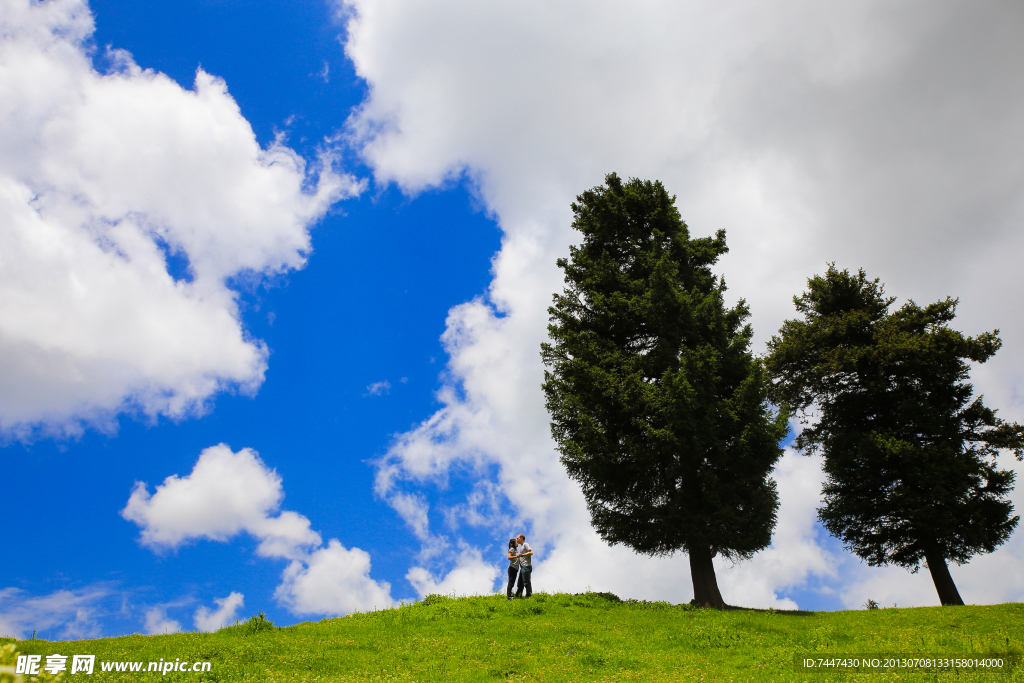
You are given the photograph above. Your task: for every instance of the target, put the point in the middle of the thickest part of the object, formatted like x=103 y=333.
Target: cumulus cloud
x=870 y=134
x=71 y=612
x=206 y=619
x=126 y=205
x=378 y=388
x=470 y=576
x=226 y=494
x=333 y=580
x=229 y=493
x=158 y=623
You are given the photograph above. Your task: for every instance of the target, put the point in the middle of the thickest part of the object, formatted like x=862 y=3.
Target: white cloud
x=483 y=507
x=72 y=611
x=229 y=493
x=158 y=624
x=378 y=388
x=413 y=509
x=225 y=494
x=871 y=134
x=103 y=178
x=206 y=619
x=470 y=576
x=333 y=580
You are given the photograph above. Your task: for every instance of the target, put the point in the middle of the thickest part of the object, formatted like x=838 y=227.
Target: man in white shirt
x=525 y=567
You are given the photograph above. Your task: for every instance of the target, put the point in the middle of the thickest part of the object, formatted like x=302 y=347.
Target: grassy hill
x=589 y=637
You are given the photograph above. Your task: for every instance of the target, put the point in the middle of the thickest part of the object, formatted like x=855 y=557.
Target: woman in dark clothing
x=513 y=565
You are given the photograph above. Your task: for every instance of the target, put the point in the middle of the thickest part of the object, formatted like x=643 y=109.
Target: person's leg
x=511 y=581
x=527 y=577
x=519 y=585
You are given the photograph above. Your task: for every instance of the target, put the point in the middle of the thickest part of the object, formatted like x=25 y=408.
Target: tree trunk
x=948 y=594
x=705 y=584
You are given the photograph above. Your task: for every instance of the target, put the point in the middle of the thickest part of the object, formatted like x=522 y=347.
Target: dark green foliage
x=434 y=599
x=909 y=455
x=657 y=406
x=257 y=623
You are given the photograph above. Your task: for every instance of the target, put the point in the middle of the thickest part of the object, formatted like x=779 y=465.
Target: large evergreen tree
x=909 y=455
x=658 y=407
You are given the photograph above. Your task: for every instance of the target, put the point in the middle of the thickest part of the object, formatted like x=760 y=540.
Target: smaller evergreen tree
x=658 y=407
x=909 y=456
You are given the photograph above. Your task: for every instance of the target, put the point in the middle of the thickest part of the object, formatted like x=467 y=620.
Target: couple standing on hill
x=520 y=560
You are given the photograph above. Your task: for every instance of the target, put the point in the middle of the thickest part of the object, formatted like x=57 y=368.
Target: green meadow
x=561 y=637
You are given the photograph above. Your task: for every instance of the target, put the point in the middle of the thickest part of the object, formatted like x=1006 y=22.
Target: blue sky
x=348 y=275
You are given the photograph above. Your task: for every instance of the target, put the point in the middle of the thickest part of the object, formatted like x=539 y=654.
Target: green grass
x=590 y=637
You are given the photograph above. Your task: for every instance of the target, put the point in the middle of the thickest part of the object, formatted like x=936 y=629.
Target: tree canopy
x=910 y=454
x=658 y=408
